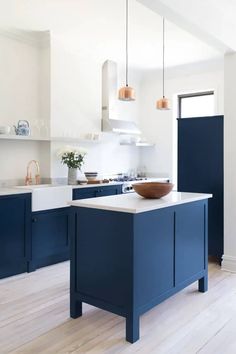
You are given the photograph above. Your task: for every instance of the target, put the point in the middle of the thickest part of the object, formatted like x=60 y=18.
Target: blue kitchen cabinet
x=93 y=192
x=50 y=229
x=138 y=259
x=15 y=234
x=201 y=170
x=50 y=237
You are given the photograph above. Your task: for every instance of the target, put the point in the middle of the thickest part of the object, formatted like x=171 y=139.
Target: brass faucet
x=28 y=178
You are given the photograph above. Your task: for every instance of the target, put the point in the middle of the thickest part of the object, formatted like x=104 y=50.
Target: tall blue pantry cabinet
x=200 y=169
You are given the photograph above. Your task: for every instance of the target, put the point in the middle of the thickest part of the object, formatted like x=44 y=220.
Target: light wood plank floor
x=34 y=318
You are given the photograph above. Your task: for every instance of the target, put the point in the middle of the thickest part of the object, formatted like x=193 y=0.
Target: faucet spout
x=28 y=178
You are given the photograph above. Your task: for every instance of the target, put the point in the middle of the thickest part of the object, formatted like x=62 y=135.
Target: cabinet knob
x=34 y=219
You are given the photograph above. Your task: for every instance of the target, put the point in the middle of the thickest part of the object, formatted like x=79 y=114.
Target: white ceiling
x=96 y=28
x=211 y=20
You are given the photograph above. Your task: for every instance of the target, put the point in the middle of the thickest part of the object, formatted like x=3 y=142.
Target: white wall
x=15 y=155
x=76 y=107
x=19 y=73
x=64 y=84
x=24 y=87
x=160 y=126
x=44 y=87
x=229 y=257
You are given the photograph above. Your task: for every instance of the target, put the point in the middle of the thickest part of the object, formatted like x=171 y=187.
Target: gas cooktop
x=128 y=179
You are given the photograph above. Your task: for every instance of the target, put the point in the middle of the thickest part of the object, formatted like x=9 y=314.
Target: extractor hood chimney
x=110 y=121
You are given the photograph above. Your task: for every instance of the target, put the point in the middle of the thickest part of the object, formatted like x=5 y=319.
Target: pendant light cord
x=127 y=34
x=163 y=57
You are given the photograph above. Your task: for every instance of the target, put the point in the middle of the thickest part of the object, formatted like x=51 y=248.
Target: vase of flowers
x=73 y=158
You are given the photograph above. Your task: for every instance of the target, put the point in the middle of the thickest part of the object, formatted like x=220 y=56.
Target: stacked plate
x=91 y=176
x=5 y=129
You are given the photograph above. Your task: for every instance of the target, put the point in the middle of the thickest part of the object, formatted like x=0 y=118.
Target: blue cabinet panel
x=50 y=238
x=153 y=254
x=201 y=169
x=14 y=234
x=104 y=256
x=189 y=241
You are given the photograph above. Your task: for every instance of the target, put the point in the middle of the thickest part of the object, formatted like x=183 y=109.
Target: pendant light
x=163 y=103
x=127 y=93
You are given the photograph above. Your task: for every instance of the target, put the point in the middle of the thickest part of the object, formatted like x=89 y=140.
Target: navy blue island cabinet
x=128 y=259
x=15 y=234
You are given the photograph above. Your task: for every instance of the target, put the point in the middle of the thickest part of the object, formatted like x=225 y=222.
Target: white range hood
x=110 y=114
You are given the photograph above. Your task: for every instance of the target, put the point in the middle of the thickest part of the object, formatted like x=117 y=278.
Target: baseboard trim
x=228 y=263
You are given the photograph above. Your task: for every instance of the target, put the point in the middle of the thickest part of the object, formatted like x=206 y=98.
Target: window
x=196 y=104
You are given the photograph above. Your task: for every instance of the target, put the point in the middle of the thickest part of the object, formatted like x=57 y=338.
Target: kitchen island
x=128 y=254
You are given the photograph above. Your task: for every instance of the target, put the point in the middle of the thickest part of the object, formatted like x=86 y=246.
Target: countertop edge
x=84 y=203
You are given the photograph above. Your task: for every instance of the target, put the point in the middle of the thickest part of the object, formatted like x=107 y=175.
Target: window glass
x=198 y=105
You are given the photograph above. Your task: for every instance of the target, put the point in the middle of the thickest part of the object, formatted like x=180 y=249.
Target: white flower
x=68 y=149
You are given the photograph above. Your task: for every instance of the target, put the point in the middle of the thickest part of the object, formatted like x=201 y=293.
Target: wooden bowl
x=153 y=190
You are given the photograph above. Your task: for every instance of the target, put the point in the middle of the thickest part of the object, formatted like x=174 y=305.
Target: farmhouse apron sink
x=49 y=196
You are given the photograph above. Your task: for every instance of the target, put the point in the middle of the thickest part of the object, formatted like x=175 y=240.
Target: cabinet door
x=14 y=234
x=190 y=240
x=50 y=237
x=153 y=254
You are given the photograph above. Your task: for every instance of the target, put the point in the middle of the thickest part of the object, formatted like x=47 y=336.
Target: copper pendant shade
x=163 y=103
x=126 y=93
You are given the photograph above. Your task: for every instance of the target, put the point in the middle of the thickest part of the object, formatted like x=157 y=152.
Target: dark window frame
x=189 y=95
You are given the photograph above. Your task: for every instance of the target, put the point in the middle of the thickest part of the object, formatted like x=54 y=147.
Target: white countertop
x=133 y=203
x=12 y=191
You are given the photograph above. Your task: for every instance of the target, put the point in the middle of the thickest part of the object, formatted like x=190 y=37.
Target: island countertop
x=133 y=203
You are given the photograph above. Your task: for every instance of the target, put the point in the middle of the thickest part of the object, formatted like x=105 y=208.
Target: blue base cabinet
x=33 y=240
x=50 y=237
x=136 y=260
x=15 y=234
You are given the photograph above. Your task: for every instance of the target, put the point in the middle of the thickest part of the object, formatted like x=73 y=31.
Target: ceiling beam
x=182 y=20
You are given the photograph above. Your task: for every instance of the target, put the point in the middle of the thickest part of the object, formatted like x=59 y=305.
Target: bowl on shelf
x=91 y=176
x=153 y=190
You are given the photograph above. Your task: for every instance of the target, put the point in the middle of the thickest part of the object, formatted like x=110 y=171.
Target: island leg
x=203 y=284
x=75 y=307
x=132 y=328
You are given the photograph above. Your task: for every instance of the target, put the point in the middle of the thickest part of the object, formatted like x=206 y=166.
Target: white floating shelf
x=40 y=138
x=145 y=144
x=138 y=144
x=75 y=140
x=22 y=137
x=67 y=140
